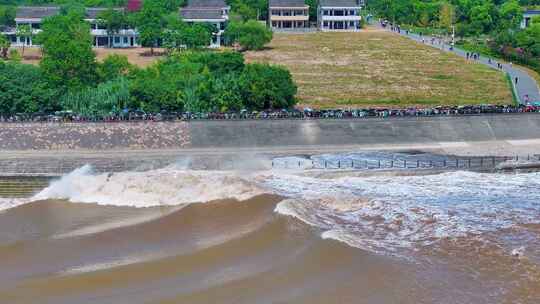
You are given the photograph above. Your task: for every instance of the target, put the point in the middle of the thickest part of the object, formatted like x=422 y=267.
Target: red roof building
x=134 y=5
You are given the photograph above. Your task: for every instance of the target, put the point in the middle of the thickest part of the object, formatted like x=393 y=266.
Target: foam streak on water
x=387 y=213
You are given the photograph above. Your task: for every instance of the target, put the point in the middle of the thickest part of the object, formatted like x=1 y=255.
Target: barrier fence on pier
x=456 y=163
x=58 y=167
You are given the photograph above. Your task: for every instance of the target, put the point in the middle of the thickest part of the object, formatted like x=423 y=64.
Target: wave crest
x=168 y=186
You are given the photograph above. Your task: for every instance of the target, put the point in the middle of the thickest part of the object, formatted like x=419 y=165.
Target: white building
x=288 y=15
x=339 y=15
x=215 y=12
x=34 y=16
x=528 y=16
x=123 y=38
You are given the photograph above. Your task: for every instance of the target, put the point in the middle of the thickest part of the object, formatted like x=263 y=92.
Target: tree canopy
x=68 y=60
x=23 y=89
x=250 y=35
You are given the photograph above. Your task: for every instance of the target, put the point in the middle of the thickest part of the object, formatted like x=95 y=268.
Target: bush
x=113 y=67
x=267 y=87
x=14 y=55
x=68 y=59
x=108 y=97
x=211 y=81
x=5 y=43
x=217 y=62
x=251 y=35
x=23 y=89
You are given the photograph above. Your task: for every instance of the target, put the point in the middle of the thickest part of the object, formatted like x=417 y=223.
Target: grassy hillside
x=378 y=68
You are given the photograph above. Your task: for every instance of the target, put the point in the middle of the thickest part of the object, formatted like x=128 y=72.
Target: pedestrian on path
x=468 y=55
x=516 y=80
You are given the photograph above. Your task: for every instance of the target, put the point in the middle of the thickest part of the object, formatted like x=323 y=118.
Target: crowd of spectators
x=306 y=113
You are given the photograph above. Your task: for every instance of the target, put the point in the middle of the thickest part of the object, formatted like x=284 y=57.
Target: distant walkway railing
x=457 y=163
x=55 y=167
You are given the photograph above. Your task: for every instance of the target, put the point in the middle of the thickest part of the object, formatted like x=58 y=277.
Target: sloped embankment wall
x=240 y=134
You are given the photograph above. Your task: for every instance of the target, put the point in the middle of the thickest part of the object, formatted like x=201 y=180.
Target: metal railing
x=60 y=167
x=457 y=163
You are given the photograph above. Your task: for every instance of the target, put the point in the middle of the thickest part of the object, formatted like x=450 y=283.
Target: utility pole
x=453 y=37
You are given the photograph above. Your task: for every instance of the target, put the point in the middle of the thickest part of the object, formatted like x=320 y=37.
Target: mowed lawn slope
x=378 y=68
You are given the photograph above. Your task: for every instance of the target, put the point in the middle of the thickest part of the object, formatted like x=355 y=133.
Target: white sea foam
x=8 y=203
x=168 y=186
x=383 y=212
x=110 y=264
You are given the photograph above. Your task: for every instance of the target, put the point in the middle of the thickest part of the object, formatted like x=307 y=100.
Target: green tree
x=446 y=16
x=172 y=35
x=179 y=35
x=23 y=89
x=107 y=98
x=5 y=43
x=113 y=20
x=483 y=18
x=529 y=40
x=265 y=86
x=114 y=66
x=219 y=63
x=251 y=35
x=196 y=36
x=171 y=5
x=245 y=12
x=249 y=9
x=25 y=32
x=150 y=23
x=73 y=7
x=68 y=60
x=169 y=84
x=7 y=16
x=511 y=14
x=312 y=10
x=226 y=93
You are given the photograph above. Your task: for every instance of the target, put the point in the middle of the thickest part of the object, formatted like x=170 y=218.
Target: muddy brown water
x=232 y=252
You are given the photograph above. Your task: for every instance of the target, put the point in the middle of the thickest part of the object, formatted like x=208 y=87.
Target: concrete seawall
x=362 y=132
x=54 y=149
x=261 y=134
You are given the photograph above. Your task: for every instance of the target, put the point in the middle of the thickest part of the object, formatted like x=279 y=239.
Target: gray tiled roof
x=28 y=12
x=203 y=9
x=287 y=3
x=206 y=4
x=532 y=12
x=201 y=13
x=339 y=3
x=93 y=12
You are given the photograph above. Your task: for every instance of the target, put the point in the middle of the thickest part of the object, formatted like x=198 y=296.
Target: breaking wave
x=376 y=213
x=8 y=203
x=163 y=187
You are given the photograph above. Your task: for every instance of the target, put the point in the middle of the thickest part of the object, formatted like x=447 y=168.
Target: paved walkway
x=525 y=86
